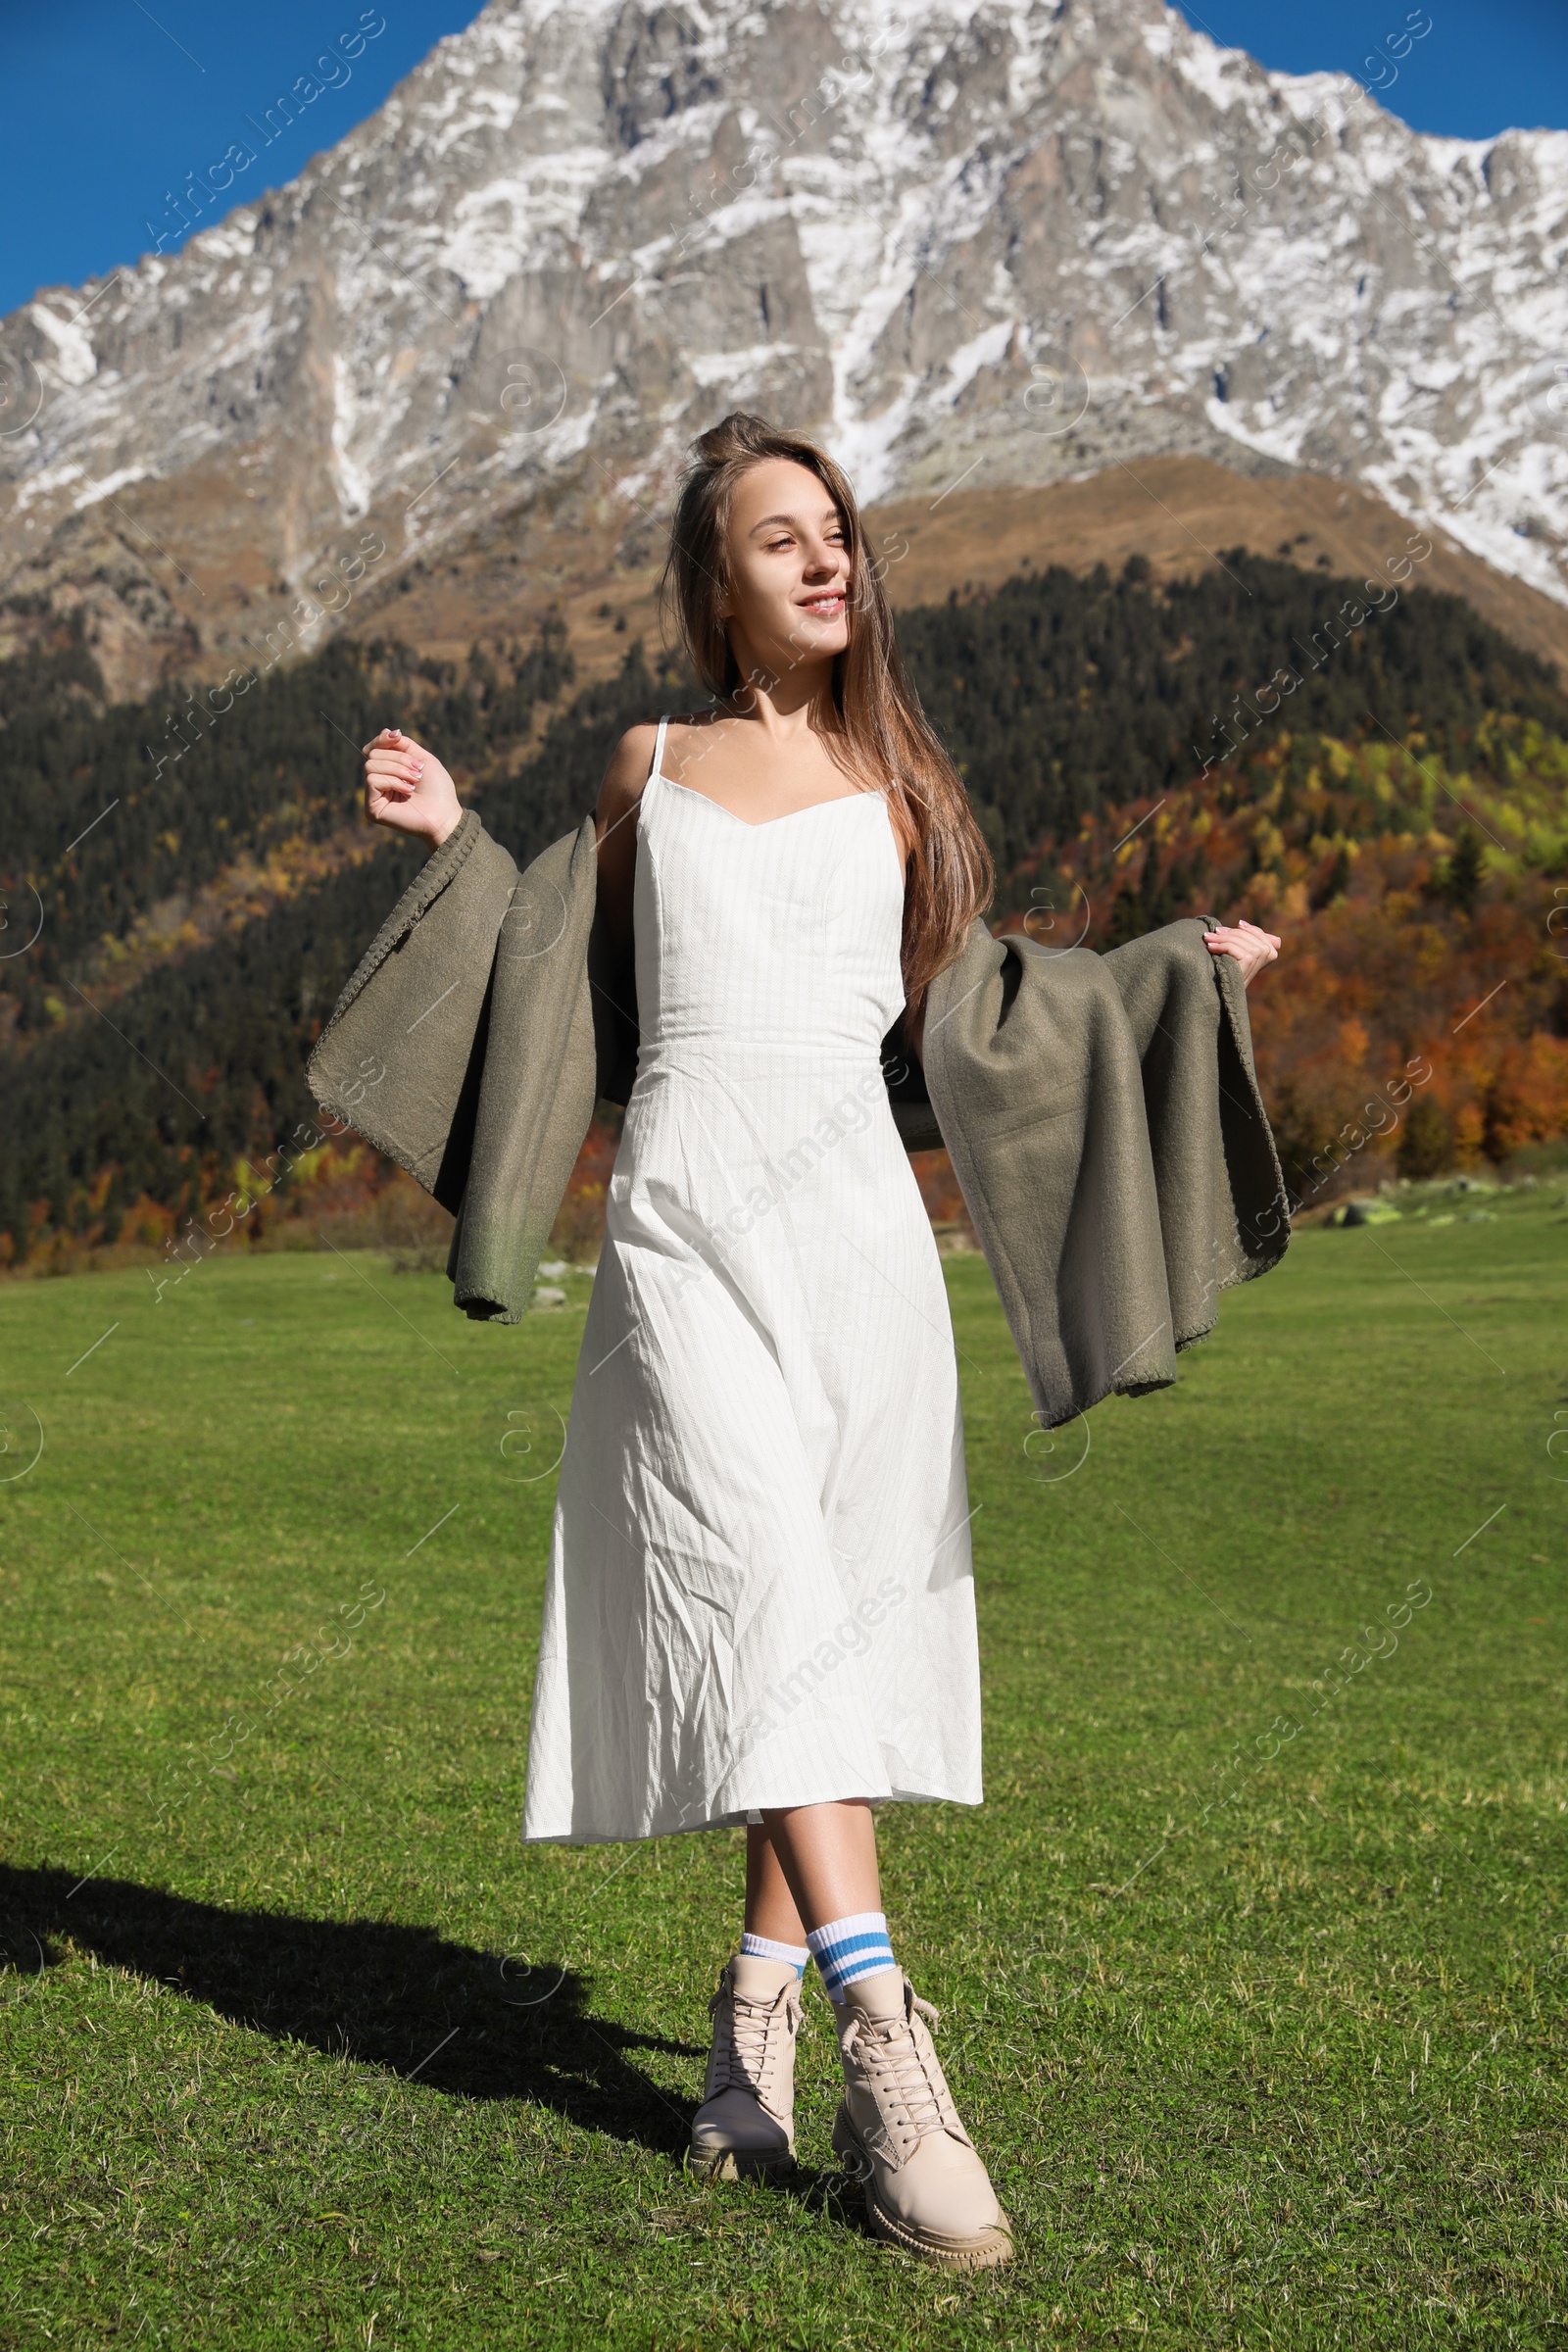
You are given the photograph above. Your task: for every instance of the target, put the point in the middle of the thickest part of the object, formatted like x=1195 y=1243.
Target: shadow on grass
x=380 y=1994
x=472 y=2024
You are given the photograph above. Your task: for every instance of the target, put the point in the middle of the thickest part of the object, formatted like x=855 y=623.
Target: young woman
x=761 y=1604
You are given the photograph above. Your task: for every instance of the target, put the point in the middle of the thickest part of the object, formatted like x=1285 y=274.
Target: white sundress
x=760 y=1590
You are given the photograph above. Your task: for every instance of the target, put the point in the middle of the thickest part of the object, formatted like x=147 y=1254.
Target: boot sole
x=987 y=2251
x=740 y=2163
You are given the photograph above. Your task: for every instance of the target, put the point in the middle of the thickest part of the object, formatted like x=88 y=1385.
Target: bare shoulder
x=689 y=731
x=680 y=721
x=627 y=772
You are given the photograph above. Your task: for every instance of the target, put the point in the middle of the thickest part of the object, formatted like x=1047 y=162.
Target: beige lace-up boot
x=745 y=2128
x=899 y=2132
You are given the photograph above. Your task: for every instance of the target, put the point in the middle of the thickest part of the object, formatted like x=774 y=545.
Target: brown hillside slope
x=144 y=625
x=1179 y=511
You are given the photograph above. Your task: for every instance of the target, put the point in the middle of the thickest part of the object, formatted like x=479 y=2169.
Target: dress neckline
x=761 y=824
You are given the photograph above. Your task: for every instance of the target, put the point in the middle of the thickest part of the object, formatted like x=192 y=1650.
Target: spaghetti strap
x=658 y=751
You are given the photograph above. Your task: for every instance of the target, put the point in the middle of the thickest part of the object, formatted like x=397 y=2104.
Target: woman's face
x=789 y=566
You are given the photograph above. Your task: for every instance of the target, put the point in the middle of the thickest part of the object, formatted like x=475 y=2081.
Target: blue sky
x=1485 y=65
x=111 y=103
x=114 y=102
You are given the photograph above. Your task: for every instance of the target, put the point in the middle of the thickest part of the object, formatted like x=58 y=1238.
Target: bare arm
x=616 y=825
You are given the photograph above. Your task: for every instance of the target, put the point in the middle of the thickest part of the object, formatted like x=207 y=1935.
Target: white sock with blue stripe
x=767 y=1948
x=849 y=1948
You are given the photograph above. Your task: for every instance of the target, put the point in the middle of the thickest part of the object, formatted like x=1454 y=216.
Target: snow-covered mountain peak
x=967 y=242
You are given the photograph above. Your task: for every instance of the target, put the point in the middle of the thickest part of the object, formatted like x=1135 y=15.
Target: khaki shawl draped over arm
x=1105 y=1127
x=475 y=997
x=1102 y=1112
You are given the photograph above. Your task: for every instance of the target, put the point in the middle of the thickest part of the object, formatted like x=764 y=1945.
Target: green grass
x=1261 y=2052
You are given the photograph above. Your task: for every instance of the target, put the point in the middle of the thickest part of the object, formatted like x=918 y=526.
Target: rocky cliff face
x=968 y=244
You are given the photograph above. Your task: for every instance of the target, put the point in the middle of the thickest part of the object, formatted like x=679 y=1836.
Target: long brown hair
x=886 y=741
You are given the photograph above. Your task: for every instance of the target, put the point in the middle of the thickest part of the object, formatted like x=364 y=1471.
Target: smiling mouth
x=826 y=608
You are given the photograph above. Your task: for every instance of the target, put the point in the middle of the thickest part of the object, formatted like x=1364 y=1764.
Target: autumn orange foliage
x=1418 y=1018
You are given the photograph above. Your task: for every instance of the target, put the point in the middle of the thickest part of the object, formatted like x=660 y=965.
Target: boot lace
x=750 y=2038
x=905 y=2076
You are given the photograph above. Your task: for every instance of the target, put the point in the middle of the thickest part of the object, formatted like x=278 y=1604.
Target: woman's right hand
x=408 y=788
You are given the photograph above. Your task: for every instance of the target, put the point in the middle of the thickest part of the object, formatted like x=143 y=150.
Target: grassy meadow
x=1253 y=1965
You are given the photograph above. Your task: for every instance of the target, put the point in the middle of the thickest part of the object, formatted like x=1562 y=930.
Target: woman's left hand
x=1250 y=947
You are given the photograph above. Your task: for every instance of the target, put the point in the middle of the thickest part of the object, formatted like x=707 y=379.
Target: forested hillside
x=1418 y=1020
x=1059 y=695
x=150 y=1098
x=1382 y=780
x=109 y=813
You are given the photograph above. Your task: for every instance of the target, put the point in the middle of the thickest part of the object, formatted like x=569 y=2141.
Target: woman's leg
x=815 y=1863
x=811 y=1877
x=807 y=1866
x=770 y=1908
x=745 y=2127
x=822 y=1860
